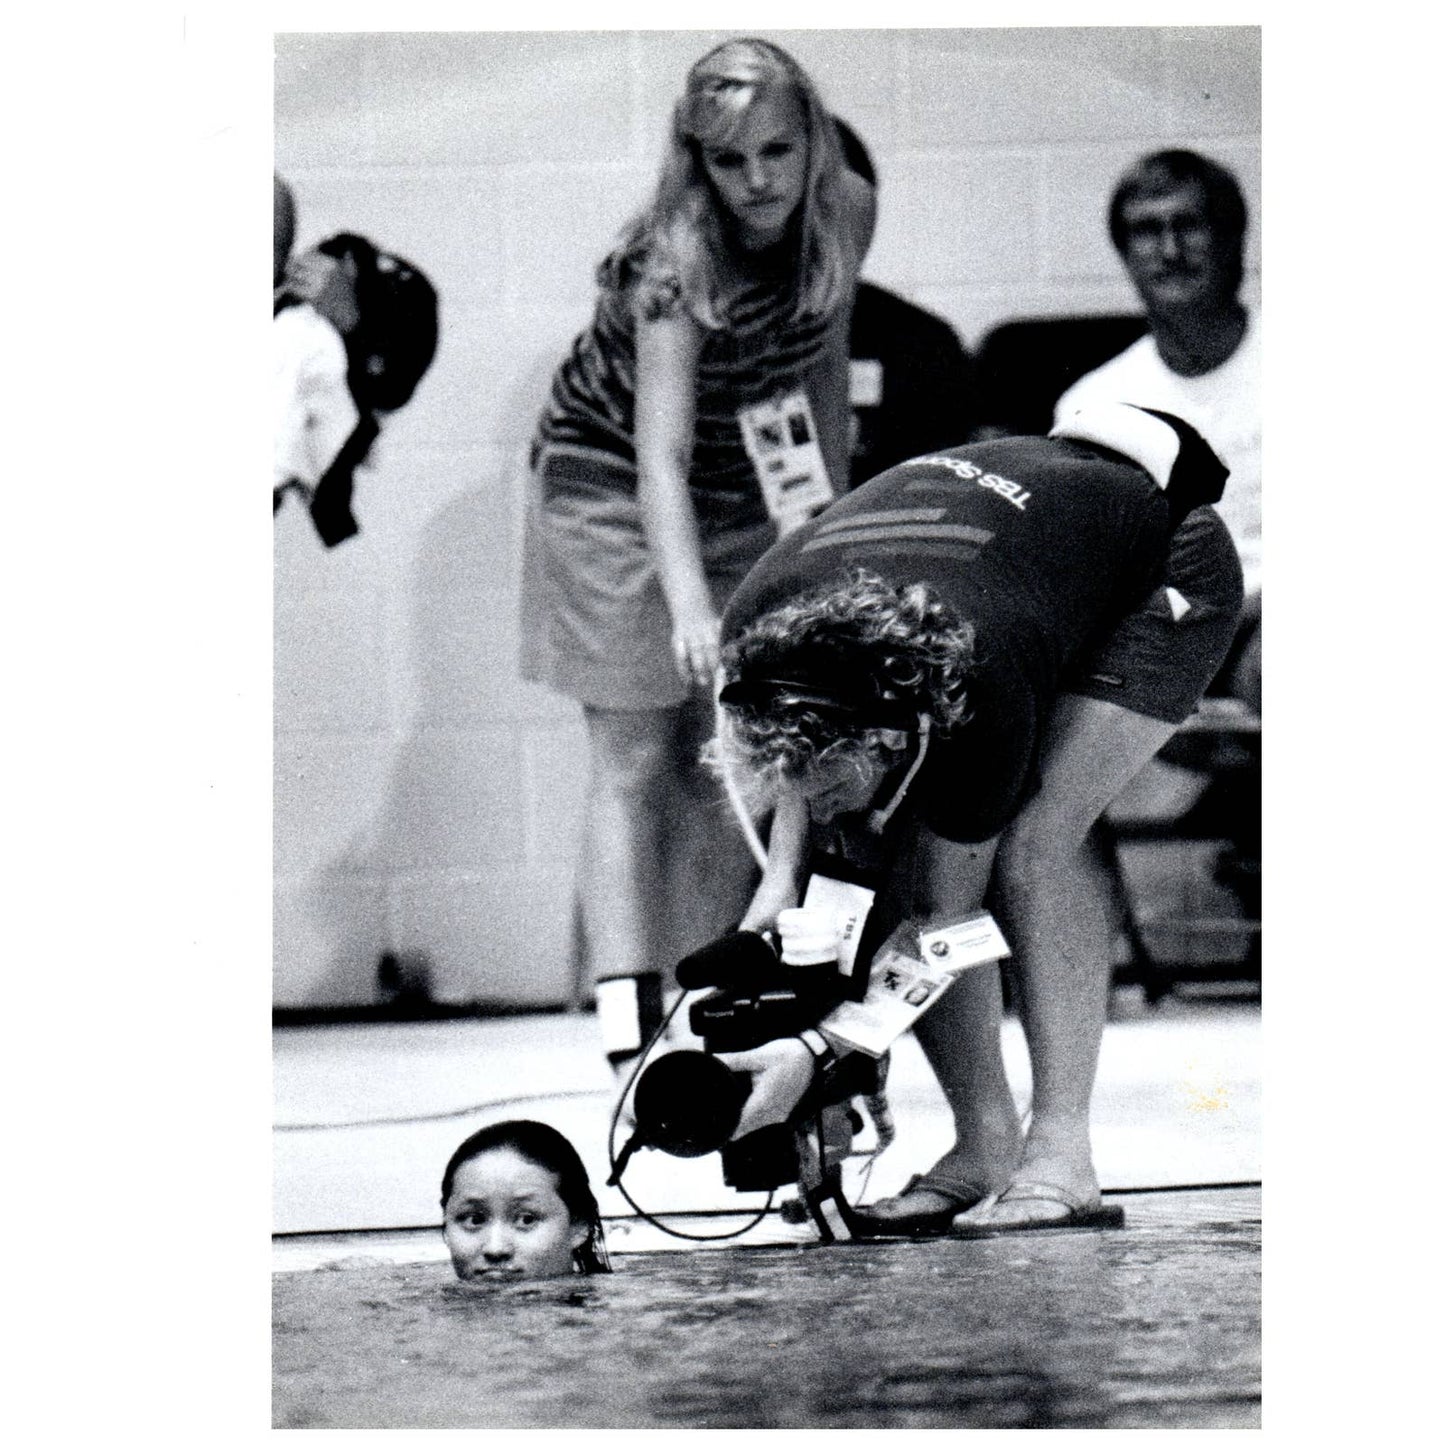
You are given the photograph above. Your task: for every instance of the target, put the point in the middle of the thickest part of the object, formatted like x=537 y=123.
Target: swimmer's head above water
x=517 y=1204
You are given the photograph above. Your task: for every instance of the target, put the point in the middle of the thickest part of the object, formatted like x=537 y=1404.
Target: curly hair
x=901 y=642
x=670 y=252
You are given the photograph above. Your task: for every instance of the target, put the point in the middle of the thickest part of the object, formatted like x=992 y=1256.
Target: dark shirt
x=927 y=396
x=1040 y=544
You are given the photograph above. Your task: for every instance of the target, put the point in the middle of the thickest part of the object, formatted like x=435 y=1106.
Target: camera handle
x=820 y=1173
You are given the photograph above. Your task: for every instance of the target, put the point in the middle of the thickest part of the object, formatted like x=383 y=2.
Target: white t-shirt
x=313 y=413
x=1223 y=406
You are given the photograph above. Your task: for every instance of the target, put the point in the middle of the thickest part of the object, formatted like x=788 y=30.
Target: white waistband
x=1154 y=444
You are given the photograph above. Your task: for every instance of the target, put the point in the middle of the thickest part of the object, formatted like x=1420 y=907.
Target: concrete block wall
x=426 y=800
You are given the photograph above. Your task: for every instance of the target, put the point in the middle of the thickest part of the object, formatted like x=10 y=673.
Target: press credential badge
x=967 y=941
x=781 y=439
x=901 y=986
x=849 y=904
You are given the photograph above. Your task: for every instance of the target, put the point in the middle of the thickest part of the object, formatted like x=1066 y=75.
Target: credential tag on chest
x=780 y=436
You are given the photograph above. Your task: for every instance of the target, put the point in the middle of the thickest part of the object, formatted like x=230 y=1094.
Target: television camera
x=688 y=1103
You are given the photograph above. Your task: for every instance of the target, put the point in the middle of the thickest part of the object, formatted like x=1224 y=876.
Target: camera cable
x=619 y=1162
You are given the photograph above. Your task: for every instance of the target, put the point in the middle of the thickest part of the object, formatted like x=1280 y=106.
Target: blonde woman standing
x=702 y=413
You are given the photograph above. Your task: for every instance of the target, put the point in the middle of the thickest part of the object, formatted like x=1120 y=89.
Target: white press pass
x=781 y=439
x=902 y=986
x=849 y=904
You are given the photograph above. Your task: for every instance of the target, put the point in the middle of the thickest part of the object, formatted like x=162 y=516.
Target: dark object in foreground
x=689 y=1103
x=917 y=1223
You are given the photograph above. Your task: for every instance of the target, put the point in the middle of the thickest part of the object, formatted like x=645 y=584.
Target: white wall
x=426 y=799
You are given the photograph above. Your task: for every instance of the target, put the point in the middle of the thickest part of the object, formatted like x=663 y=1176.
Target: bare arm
x=782 y=876
x=944 y=880
x=667 y=352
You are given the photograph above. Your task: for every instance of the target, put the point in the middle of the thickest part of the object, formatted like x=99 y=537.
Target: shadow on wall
x=463 y=869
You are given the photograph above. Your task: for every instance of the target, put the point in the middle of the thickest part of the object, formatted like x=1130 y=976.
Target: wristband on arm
x=817 y=1045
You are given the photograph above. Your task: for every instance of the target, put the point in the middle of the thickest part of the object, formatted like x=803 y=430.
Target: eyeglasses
x=1185 y=230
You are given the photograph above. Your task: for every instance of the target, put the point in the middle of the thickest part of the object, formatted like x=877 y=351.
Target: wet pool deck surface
x=1155 y=1325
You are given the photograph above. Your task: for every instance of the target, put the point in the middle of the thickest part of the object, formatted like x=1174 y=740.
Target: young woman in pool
x=516 y=1204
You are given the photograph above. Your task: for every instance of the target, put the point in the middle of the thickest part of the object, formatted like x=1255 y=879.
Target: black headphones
x=858 y=705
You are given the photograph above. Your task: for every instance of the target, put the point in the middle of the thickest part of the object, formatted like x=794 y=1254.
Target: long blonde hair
x=671 y=251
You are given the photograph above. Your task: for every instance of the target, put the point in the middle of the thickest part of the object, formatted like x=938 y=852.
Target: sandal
x=1077 y=1214
x=919 y=1220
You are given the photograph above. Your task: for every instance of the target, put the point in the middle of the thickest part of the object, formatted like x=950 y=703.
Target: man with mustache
x=1178 y=221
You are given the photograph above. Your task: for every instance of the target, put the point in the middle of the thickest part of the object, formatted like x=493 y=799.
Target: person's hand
x=695 y=640
x=781 y=1071
x=767 y=903
x=762 y=915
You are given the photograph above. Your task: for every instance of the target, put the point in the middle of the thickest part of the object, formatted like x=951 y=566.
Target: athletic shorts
x=1160 y=659
x=595 y=625
x=1157 y=661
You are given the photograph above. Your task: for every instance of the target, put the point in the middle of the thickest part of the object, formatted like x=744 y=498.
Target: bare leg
x=628 y=792
x=665 y=868
x=707 y=871
x=960 y=1038
x=960 y=1033
x=1055 y=901
x=1243 y=681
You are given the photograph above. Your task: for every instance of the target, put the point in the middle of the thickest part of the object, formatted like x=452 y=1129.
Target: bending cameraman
x=947 y=677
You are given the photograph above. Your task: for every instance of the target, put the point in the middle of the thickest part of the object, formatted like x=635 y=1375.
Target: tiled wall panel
x=426 y=798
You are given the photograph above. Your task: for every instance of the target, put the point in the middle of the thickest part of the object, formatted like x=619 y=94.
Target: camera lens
x=688 y=1103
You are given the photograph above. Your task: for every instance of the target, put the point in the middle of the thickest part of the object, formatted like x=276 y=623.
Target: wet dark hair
x=548 y=1150
x=1161 y=172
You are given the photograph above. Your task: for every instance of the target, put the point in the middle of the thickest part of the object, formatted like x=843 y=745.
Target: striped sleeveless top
x=762 y=350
